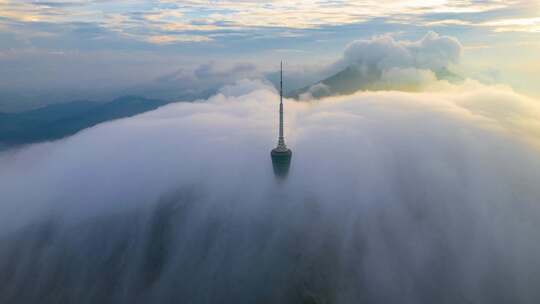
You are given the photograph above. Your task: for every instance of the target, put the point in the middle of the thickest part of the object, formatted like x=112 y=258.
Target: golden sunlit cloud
x=531 y=25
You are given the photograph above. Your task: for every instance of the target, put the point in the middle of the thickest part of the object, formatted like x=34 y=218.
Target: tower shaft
x=281 y=156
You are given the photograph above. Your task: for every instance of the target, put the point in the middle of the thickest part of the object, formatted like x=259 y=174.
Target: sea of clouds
x=426 y=197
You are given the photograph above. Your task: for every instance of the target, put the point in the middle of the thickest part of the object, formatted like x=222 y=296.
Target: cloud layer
x=392 y=196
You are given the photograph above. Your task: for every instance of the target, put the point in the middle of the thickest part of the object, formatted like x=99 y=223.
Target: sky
x=94 y=48
x=418 y=188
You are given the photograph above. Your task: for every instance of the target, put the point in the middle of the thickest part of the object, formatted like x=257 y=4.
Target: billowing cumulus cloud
x=431 y=52
x=392 y=197
x=383 y=63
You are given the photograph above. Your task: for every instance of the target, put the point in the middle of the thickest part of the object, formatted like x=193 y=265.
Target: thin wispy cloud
x=188 y=21
x=515 y=25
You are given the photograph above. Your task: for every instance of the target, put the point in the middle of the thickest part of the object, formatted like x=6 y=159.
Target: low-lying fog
x=392 y=197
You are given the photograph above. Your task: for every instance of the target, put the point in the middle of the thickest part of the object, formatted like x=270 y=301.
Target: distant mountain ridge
x=353 y=79
x=61 y=120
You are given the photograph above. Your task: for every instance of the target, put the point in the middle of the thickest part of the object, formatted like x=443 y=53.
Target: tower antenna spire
x=281 y=139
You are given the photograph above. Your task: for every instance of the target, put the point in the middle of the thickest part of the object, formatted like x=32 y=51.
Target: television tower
x=281 y=155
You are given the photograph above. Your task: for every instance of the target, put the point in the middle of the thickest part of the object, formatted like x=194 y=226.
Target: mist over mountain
x=422 y=197
x=61 y=120
x=383 y=63
x=198 y=82
x=57 y=119
x=380 y=63
x=356 y=78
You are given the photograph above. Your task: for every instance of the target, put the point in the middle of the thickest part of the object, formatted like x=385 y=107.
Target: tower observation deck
x=281 y=155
